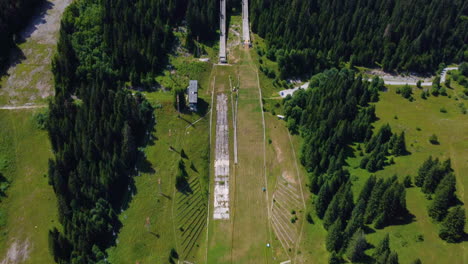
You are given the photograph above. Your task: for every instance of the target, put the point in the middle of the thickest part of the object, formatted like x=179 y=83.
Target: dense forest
x=334 y=113
x=13 y=15
x=96 y=126
x=403 y=35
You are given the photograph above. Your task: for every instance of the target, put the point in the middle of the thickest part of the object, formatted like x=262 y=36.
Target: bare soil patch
x=18 y=252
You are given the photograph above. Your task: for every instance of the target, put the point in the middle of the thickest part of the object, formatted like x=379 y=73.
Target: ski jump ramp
x=221 y=164
x=245 y=22
x=222 y=40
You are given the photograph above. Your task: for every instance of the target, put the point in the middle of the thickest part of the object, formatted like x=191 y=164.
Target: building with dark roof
x=192 y=92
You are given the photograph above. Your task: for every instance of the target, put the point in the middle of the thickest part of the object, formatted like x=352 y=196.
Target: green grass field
x=420 y=119
x=28 y=211
x=176 y=220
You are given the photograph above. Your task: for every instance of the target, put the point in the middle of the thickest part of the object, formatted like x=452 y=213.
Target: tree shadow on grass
x=368 y=230
x=183 y=186
x=39 y=19
x=16 y=54
x=202 y=107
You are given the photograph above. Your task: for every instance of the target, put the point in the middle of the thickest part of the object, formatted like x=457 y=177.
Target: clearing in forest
x=29 y=78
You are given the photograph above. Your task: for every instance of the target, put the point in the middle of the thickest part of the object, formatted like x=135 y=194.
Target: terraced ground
x=190 y=218
x=286 y=178
x=286 y=205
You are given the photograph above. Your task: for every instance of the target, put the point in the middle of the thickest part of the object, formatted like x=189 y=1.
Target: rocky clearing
x=29 y=78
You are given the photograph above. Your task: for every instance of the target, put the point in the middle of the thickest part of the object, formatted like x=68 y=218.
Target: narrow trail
x=21 y=107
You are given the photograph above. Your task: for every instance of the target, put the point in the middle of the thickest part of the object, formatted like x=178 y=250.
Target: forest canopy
x=96 y=125
x=401 y=35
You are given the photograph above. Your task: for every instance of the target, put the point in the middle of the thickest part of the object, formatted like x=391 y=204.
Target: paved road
x=443 y=77
x=245 y=22
x=222 y=40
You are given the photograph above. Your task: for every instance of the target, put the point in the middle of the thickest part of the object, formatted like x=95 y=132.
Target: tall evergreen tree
x=357 y=246
x=453 y=227
x=333 y=240
x=423 y=171
x=443 y=198
x=399 y=148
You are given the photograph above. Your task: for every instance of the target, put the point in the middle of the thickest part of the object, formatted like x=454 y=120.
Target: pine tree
x=400 y=145
x=334 y=238
x=382 y=249
x=435 y=174
x=423 y=171
x=453 y=227
x=374 y=202
x=393 y=258
x=443 y=198
x=356 y=247
x=407 y=182
x=334 y=258
x=322 y=200
x=367 y=189
x=357 y=218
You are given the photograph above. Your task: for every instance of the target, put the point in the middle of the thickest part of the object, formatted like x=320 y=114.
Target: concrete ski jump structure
x=245 y=23
x=221 y=164
x=222 y=40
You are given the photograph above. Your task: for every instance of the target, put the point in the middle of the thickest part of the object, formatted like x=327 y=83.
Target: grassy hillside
x=420 y=119
x=155 y=198
x=28 y=211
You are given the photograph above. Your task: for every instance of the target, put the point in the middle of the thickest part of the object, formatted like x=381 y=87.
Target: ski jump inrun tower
x=245 y=28
x=222 y=41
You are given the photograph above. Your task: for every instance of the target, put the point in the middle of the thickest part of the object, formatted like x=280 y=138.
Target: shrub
x=434 y=140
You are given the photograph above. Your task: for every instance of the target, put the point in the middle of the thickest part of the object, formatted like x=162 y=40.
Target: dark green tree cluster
x=431 y=172
x=382 y=202
x=406 y=91
x=398 y=35
x=380 y=145
x=331 y=114
x=14 y=15
x=95 y=127
x=382 y=253
x=386 y=204
x=461 y=76
x=202 y=19
x=453 y=227
x=139 y=34
x=437 y=178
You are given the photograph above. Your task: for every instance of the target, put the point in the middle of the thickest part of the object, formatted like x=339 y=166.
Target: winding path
x=443 y=77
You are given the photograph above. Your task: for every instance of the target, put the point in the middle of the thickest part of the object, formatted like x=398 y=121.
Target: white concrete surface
x=443 y=75
x=287 y=92
x=221 y=164
x=245 y=22
x=222 y=40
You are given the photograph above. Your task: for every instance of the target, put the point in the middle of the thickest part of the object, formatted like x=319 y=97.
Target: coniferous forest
x=335 y=112
x=403 y=35
x=13 y=15
x=99 y=122
x=95 y=124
